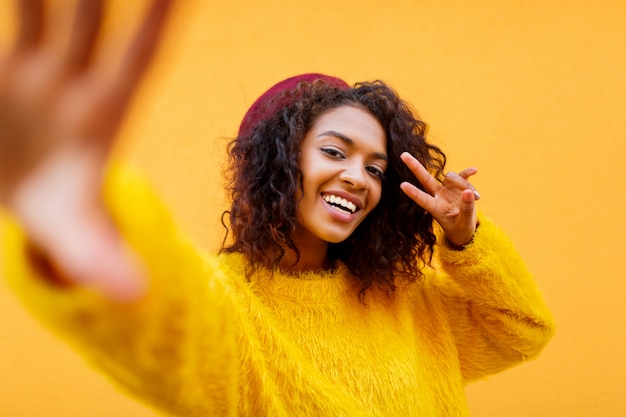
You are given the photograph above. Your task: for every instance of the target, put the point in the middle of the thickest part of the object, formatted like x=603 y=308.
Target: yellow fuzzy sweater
x=207 y=342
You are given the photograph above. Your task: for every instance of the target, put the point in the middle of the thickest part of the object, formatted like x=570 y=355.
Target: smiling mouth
x=340 y=203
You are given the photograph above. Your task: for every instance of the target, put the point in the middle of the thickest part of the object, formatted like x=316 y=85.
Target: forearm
x=152 y=346
x=496 y=309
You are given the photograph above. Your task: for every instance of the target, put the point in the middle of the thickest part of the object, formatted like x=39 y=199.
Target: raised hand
x=451 y=203
x=59 y=113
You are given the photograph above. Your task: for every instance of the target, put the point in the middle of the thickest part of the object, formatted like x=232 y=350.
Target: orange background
x=531 y=92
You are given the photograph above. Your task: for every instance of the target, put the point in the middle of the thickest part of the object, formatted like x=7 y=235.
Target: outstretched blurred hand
x=59 y=113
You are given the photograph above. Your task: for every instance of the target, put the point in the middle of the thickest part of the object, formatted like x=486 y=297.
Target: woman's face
x=342 y=158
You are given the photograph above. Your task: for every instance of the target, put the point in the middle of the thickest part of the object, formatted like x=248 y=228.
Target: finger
x=429 y=183
x=142 y=48
x=468 y=172
x=467 y=209
x=460 y=181
x=85 y=30
x=31 y=26
x=422 y=199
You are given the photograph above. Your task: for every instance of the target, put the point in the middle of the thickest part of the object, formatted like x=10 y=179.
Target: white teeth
x=333 y=199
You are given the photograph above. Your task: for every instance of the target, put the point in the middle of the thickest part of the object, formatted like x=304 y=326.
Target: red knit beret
x=267 y=105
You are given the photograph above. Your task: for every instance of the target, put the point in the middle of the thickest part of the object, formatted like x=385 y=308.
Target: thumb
x=95 y=256
x=59 y=205
x=467 y=210
x=465 y=225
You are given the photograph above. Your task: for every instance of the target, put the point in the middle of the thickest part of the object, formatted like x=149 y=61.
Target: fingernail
x=476 y=195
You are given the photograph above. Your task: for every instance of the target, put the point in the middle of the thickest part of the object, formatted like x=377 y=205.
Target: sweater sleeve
x=176 y=344
x=497 y=315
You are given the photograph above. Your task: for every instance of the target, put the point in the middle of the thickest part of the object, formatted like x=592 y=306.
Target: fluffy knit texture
x=205 y=341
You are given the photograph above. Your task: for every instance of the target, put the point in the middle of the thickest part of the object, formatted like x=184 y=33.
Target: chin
x=337 y=237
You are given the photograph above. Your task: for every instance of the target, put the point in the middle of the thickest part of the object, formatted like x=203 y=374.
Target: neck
x=313 y=257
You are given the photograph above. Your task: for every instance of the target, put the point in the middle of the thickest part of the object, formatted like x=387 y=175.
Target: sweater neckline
x=238 y=262
x=307 y=286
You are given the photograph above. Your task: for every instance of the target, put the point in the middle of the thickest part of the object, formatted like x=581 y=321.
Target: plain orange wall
x=531 y=92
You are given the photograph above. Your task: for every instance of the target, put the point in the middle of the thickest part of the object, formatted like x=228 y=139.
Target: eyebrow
x=350 y=142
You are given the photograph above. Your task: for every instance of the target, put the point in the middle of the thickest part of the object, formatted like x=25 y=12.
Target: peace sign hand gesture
x=451 y=203
x=59 y=112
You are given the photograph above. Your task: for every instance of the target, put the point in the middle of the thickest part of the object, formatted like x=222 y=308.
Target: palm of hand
x=45 y=111
x=58 y=116
x=451 y=203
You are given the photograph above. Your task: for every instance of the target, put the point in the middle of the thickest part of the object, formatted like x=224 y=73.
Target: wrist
x=459 y=247
x=45 y=268
x=456 y=247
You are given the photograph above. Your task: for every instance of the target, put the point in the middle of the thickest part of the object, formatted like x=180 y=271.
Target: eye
x=375 y=171
x=333 y=153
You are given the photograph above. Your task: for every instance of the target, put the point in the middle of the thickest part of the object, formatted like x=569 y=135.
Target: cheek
x=303 y=188
x=376 y=193
x=298 y=194
x=306 y=192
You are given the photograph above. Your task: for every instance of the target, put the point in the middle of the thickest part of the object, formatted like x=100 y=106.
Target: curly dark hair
x=395 y=239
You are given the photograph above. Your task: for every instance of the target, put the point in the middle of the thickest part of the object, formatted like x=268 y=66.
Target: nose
x=355 y=176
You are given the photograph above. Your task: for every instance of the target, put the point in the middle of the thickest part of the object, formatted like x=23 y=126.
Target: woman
x=300 y=130
x=324 y=301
